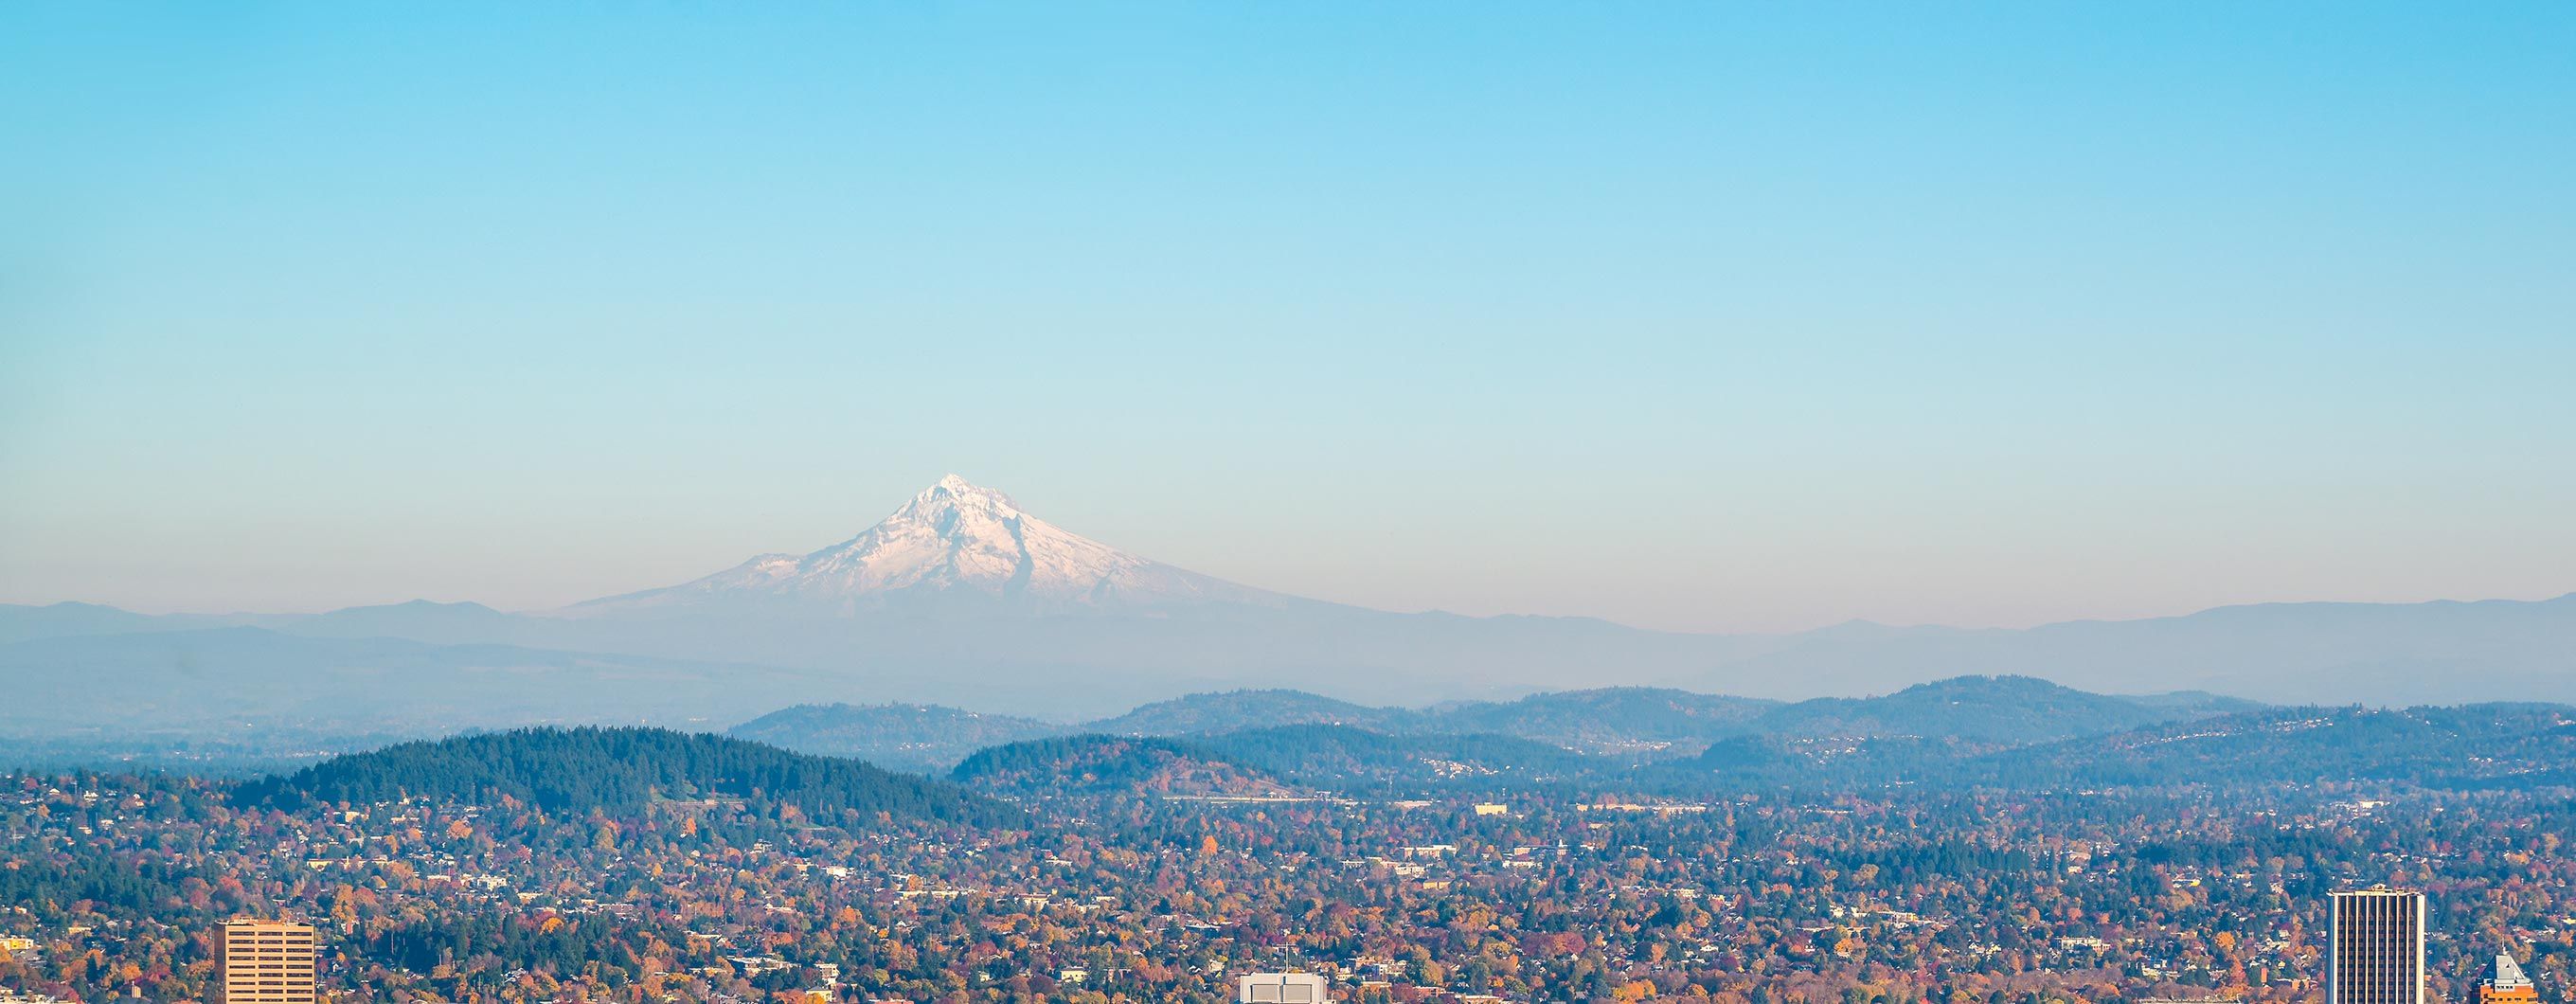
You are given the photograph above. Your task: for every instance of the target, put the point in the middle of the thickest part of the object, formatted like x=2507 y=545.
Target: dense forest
x=1093 y=764
x=621 y=769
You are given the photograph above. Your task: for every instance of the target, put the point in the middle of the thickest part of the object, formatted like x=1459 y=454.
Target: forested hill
x=2013 y=710
x=614 y=769
x=2472 y=747
x=1620 y=721
x=1290 y=758
x=1094 y=764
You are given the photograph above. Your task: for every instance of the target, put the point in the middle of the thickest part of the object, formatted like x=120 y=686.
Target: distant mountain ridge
x=1630 y=722
x=1241 y=709
x=961 y=597
x=2467 y=747
x=2370 y=753
x=2016 y=709
x=1288 y=760
x=74 y=619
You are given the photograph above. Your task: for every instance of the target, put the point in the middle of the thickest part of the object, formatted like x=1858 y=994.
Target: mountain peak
x=953 y=486
x=954 y=541
x=953 y=492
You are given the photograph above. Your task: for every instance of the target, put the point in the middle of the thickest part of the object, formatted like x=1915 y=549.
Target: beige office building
x=267 y=961
x=1281 y=988
x=2378 y=953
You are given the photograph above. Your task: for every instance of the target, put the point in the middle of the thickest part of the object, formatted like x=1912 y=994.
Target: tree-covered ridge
x=2472 y=747
x=2463 y=748
x=1349 y=759
x=1091 y=764
x=1623 y=722
x=614 y=769
x=1991 y=709
x=1272 y=761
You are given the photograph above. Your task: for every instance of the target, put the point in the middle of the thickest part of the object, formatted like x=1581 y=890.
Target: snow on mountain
x=954 y=543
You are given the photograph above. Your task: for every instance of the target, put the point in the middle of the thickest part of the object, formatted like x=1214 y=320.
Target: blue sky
x=1714 y=317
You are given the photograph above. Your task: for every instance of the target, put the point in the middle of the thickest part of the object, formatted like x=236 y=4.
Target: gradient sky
x=1706 y=316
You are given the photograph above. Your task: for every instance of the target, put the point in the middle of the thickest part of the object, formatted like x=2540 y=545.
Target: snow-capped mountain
x=954 y=544
x=962 y=598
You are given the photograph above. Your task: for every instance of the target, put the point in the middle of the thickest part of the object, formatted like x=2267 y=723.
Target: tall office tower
x=266 y=961
x=2378 y=955
x=2509 y=985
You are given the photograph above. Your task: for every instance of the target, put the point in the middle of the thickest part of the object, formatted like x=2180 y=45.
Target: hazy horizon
x=555 y=606
x=1703 y=319
x=570 y=601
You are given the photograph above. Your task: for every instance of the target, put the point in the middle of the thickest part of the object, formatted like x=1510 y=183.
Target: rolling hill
x=2469 y=746
x=2464 y=747
x=1284 y=760
x=622 y=770
x=1989 y=709
x=1625 y=722
x=1349 y=759
x=1101 y=764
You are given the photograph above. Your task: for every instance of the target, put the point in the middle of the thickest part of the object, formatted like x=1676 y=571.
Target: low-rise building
x=1280 y=988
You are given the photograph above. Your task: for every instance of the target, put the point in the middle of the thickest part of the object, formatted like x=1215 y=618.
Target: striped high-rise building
x=2378 y=952
x=267 y=961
